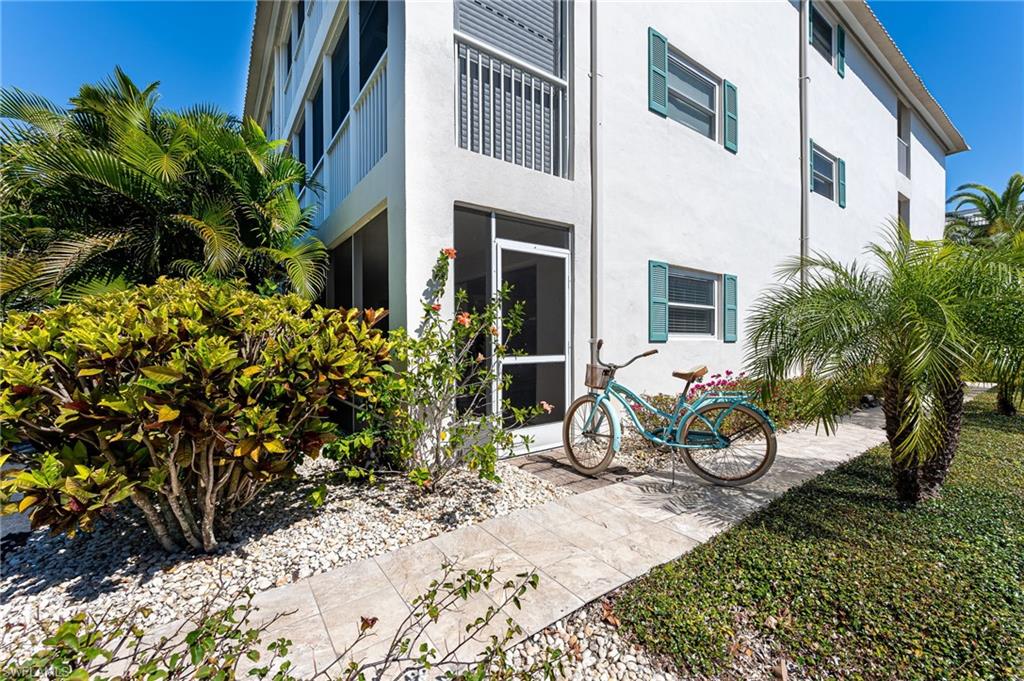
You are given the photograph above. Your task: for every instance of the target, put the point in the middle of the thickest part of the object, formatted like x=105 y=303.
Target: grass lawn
x=847 y=582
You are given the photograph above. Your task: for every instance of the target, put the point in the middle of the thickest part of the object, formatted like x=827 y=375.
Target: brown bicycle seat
x=691 y=375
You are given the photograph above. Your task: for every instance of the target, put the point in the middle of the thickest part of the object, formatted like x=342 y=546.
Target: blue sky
x=969 y=53
x=199 y=51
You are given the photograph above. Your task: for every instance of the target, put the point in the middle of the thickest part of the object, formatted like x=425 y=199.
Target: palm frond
x=215 y=224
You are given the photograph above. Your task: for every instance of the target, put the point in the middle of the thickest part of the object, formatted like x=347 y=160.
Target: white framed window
x=692 y=96
x=823 y=172
x=821 y=34
x=692 y=303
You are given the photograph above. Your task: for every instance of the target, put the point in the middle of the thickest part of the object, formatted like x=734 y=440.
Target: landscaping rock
x=280 y=538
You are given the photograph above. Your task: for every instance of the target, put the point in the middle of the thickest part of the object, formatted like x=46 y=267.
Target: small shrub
x=788 y=404
x=185 y=397
x=434 y=416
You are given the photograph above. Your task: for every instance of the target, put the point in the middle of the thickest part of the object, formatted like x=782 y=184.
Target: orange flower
x=480 y=357
x=494 y=331
x=450 y=252
x=436 y=307
x=462 y=318
x=547 y=407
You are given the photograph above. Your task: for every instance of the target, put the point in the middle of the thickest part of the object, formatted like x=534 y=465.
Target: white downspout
x=805 y=151
x=595 y=211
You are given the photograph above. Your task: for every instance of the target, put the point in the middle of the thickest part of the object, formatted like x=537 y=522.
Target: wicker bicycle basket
x=597 y=376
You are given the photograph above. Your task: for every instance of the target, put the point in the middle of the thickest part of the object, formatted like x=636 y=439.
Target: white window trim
x=832 y=34
x=833 y=180
x=715 y=307
x=715 y=82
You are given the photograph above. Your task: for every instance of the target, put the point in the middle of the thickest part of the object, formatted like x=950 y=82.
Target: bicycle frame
x=675 y=419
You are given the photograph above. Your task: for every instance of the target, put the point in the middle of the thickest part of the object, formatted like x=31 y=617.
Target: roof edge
x=257 y=52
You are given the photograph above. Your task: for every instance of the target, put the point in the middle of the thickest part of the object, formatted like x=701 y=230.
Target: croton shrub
x=185 y=398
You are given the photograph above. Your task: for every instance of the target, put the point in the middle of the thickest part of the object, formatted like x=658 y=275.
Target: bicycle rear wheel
x=751 y=444
x=587 y=434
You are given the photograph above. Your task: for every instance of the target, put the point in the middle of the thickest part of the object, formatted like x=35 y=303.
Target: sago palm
x=127 y=192
x=995 y=216
x=905 y=312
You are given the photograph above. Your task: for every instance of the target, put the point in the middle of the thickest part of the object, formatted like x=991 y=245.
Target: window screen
x=300 y=151
x=339 y=81
x=692 y=98
x=318 y=124
x=691 y=302
x=823 y=173
x=373 y=36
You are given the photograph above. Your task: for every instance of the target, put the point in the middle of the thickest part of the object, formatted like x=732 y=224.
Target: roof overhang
x=261 y=52
x=864 y=24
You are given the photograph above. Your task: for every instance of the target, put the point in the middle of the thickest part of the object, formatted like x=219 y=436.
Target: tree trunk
x=156 y=523
x=1004 y=400
x=915 y=482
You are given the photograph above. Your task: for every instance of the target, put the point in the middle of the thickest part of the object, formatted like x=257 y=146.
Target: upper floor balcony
x=512 y=102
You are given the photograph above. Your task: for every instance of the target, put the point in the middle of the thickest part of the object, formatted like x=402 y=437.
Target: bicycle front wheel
x=588 y=433
x=750 y=441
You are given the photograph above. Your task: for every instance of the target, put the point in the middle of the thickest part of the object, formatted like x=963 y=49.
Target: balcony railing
x=510 y=110
x=903 y=156
x=309 y=197
x=360 y=142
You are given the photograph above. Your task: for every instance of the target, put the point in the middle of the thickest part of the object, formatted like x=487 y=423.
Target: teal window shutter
x=729 y=318
x=841 y=51
x=732 y=117
x=657 y=77
x=657 y=294
x=842 y=183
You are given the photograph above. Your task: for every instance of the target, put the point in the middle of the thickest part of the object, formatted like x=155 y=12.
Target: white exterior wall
x=928 y=177
x=673 y=195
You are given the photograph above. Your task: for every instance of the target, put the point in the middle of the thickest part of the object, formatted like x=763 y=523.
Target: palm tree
x=994 y=216
x=120 y=192
x=904 y=312
x=995 y=219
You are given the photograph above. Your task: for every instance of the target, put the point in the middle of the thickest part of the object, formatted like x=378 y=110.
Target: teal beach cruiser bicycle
x=724 y=437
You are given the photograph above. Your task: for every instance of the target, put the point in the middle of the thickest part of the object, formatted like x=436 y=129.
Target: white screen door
x=537 y=355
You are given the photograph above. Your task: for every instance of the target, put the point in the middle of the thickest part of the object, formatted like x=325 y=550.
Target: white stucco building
x=637 y=170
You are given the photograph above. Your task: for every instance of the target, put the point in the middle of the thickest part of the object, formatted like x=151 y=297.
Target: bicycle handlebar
x=600 y=344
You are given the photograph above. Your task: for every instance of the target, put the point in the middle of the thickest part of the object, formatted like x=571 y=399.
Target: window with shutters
x=821 y=34
x=823 y=172
x=692 y=302
x=692 y=96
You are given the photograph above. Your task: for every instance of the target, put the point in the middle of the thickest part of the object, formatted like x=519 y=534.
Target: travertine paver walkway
x=583 y=546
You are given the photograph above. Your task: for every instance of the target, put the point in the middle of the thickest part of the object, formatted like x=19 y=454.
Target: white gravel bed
x=591 y=648
x=279 y=538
